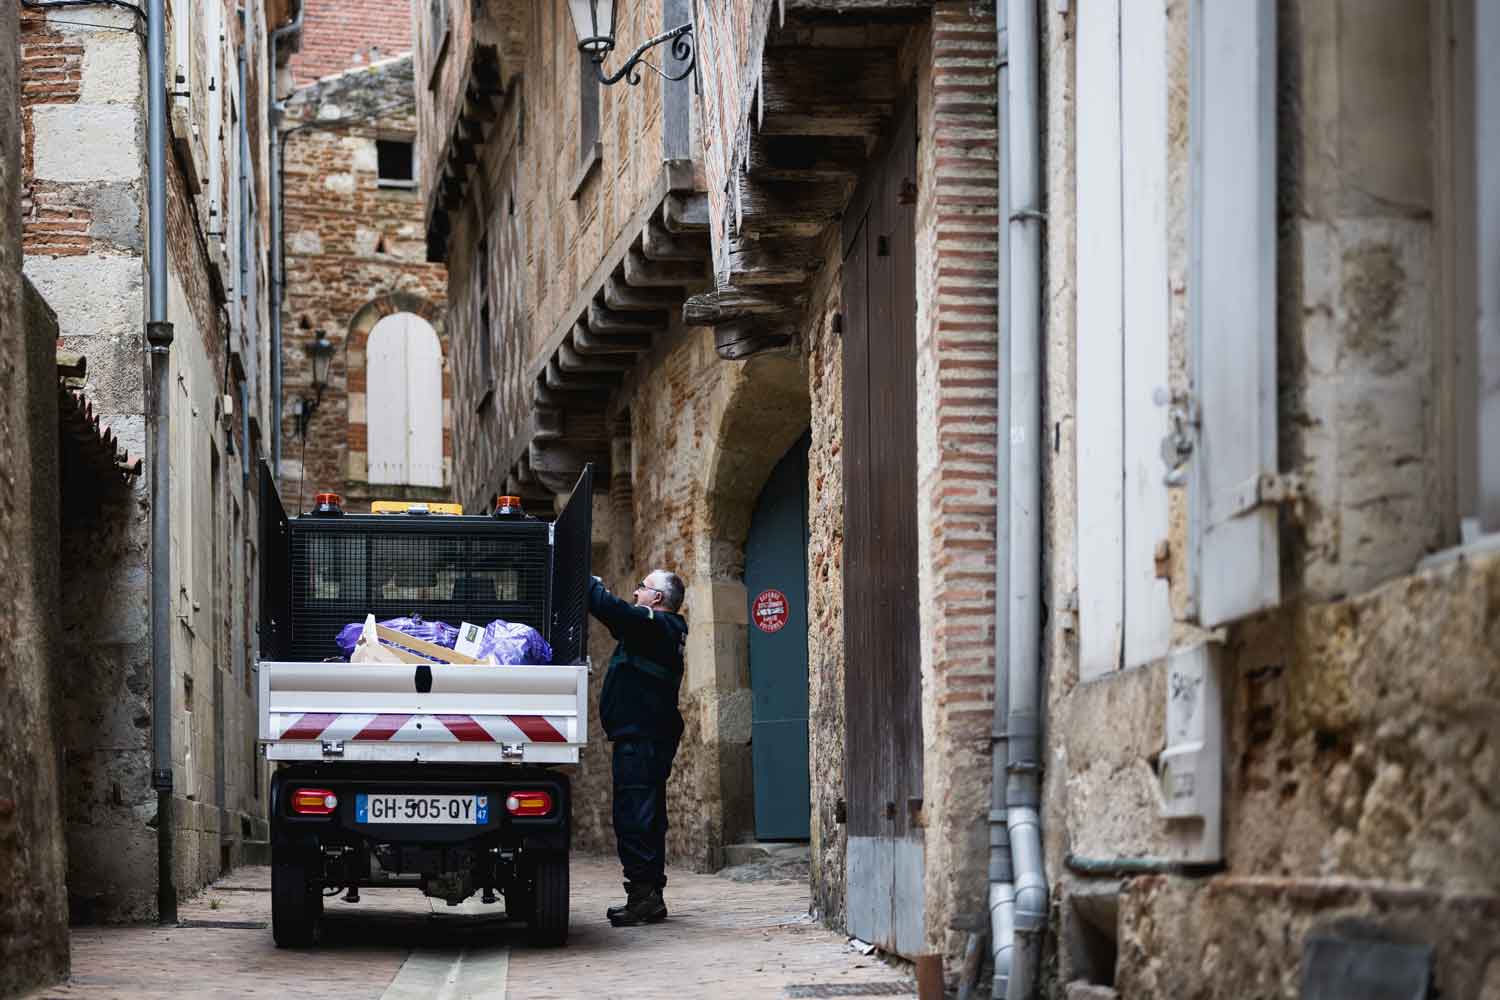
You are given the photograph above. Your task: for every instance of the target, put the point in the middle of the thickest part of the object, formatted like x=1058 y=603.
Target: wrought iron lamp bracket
x=683 y=51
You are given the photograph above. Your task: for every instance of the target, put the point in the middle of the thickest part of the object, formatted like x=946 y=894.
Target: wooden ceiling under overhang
x=829 y=90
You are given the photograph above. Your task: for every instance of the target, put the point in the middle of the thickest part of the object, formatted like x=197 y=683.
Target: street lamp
x=321 y=352
x=595 y=22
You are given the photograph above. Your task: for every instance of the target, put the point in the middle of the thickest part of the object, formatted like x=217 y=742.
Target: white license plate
x=459 y=810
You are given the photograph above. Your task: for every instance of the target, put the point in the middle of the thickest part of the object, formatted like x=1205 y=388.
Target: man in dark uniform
x=638 y=708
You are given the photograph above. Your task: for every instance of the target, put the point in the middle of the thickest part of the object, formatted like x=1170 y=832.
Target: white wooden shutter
x=424 y=401
x=1233 y=305
x=1100 y=343
x=1124 y=614
x=1143 y=156
x=387 y=388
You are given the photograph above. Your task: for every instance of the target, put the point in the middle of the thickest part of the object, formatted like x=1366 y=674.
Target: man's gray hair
x=672 y=589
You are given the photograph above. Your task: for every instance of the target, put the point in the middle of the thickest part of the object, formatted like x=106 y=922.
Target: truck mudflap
x=450 y=713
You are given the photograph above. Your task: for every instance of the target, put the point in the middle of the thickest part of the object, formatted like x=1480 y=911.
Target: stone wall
x=83 y=208
x=1358 y=711
x=33 y=857
x=824 y=361
x=346 y=34
x=355 y=253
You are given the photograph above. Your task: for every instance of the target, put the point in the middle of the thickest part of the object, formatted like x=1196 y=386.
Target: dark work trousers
x=641 y=768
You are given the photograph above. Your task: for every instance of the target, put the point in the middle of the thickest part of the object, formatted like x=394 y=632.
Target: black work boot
x=644 y=906
x=630 y=893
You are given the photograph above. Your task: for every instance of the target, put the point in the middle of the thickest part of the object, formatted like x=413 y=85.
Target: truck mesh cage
x=451 y=569
x=319 y=574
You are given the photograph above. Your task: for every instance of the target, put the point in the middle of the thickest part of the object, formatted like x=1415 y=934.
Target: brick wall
x=355 y=253
x=344 y=34
x=957 y=397
x=56 y=217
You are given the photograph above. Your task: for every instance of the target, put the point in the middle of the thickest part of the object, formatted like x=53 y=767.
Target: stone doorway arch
x=761 y=408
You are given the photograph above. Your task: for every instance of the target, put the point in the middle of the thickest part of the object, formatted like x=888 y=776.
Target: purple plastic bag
x=440 y=633
x=514 y=644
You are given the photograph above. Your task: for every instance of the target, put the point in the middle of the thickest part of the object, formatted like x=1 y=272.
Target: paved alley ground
x=725 y=938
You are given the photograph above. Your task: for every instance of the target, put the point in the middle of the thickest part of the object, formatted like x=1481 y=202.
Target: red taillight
x=528 y=803
x=314 y=802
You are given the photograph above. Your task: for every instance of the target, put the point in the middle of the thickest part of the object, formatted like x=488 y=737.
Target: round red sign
x=768 y=611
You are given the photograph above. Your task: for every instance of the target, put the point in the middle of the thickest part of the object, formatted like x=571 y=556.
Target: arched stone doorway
x=760 y=411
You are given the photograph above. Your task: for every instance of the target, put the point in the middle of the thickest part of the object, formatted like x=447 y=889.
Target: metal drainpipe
x=278 y=276
x=159 y=341
x=1022 y=429
x=1002 y=896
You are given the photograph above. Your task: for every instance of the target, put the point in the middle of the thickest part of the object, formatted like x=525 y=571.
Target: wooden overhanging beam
x=473 y=127
x=823 y=108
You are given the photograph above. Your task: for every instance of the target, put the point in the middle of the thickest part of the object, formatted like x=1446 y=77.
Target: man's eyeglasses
x=646 y=586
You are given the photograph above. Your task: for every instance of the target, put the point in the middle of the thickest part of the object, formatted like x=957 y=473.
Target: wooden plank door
x=882 y=693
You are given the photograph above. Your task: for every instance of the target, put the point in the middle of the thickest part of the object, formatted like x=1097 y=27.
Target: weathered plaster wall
x=33 y=858
x=355 y=253
x=1360 y=293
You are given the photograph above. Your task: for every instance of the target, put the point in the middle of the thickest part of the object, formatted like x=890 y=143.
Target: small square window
x=394 y=164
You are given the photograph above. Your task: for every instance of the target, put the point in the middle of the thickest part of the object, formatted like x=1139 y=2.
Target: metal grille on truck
x=395 y=565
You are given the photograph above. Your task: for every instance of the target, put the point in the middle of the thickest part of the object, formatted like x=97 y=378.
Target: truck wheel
x=296 y=896
x=549 y=919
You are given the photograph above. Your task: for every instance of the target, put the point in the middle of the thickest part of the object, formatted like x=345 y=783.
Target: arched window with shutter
x=404 y=379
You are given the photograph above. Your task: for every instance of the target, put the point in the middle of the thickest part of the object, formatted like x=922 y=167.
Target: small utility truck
x=437 y=776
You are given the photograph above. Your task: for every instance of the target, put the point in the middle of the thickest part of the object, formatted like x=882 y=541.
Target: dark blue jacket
x=639 y=699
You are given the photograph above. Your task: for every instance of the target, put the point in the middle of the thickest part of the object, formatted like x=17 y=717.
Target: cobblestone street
x=725 y=938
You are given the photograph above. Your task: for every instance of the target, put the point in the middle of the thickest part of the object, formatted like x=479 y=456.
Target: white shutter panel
x=1101 y=583
x=424 y=401
x=386 y=400
x=1143 y=156
x=1233 y=302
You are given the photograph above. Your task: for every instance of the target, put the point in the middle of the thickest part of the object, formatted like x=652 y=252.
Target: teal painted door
x=776 y=586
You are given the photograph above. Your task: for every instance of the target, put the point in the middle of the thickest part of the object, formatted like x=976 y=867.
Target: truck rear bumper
x=492 y=785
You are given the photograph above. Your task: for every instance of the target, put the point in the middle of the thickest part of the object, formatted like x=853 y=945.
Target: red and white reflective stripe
x=400 y=728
